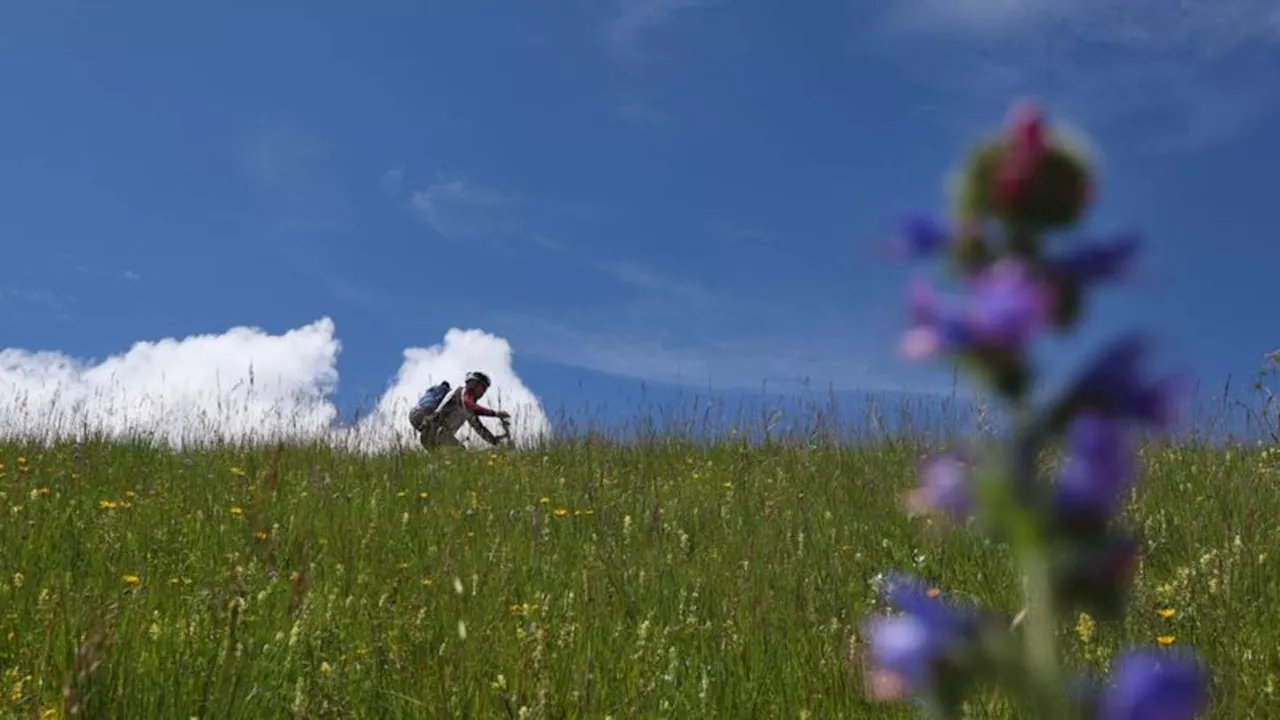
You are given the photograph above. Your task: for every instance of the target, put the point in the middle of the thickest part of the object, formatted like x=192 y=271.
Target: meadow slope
x=583 y=580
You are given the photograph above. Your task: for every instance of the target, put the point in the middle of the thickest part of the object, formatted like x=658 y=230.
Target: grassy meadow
x=667 y=579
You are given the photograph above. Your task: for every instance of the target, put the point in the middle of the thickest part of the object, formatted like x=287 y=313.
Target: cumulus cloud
x=461 y=351
x=244 y=384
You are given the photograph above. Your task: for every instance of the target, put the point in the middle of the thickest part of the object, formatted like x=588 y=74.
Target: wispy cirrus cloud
x=289 y=168
x=22 y=300
x=83 y=267
x=457 y=209
x=393 y=179
x=725 y=361
x=644 y=277
x=462 y=210
x=304 y=204
x=1184 y=74
x=628 y=32
x=631 y=20
x=675 y=328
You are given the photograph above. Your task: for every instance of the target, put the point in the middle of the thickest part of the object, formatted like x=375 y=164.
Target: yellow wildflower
x=259 y=536
x=131 y=580
x=1165 y=639
x=1167 y=613
x=237 y=511
x=17 y=693
x=561 y=512
x=1085 y=627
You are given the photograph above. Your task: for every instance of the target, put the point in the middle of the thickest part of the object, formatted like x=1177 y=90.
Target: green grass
x=669 y=581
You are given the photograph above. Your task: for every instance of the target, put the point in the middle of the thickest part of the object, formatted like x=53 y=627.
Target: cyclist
x=460 y=406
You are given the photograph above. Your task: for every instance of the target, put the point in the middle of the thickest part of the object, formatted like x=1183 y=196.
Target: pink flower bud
x=1025 y=147
x=1027 y=126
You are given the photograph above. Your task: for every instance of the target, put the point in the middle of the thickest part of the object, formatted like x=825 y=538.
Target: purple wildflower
x=911 y=595
x=922 y=302
x=905 y=649
x=901 y=656
x=923 y=236
x=1099 y=467
x=1147 y=684
x=1008 y=305
x=935 y=328
x=1113 y=384
x=944 y=487
x=1095 y=262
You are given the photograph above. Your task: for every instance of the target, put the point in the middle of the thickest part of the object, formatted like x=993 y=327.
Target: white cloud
x=1182 y=75
x=244 y=384
x=462 y=351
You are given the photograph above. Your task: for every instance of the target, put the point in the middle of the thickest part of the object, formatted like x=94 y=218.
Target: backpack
x=431 y=399
x=428 y=403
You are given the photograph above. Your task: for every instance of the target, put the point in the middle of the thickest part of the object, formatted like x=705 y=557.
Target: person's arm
x=476 y=408
x=481 y=430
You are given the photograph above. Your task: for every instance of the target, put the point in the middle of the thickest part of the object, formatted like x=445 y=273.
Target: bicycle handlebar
x=506 y=429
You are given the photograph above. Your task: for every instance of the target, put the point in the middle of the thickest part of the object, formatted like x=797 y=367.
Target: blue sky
x=684 y=193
